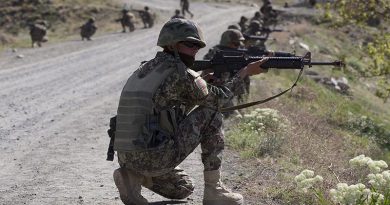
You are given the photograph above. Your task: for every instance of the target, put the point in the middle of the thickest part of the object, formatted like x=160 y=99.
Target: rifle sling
x=237 y=107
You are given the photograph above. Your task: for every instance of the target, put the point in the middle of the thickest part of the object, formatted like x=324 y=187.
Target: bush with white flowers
x=265 y=119
x=376 y=193
x=260 y=132
x=362 y=161
x=306 y=180
x=355 y=194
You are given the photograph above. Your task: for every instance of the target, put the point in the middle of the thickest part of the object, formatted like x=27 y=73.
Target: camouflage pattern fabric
x=175 y=184
x=127 y=20
x=202 y=125
x=269 y=15
x=257 y=17
x=87 y=30
x=239 y=89
x=243 y=25
x=38 y=34
x=253 y=29
x=147 y=19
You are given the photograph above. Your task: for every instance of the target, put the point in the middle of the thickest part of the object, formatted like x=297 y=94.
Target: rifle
x=255 y=38
x=268 y=30
x=225 y=62
x=221 y=63
x=256 y=51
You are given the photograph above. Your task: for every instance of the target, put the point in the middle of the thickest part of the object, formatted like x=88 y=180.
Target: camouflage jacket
x=179 y=90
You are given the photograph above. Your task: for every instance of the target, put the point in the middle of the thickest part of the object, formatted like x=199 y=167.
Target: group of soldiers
x=128 y=19
x=38 y=30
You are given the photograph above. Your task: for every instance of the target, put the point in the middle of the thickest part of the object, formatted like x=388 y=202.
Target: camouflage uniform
x=147 y=18
x=243 y=23
x=195 y=125
x=38 y=33
x=185 y=7
x=257 y=17
x=127 y=20
x=228 y=37
x=254 y=29
x=88 y=29
x=269 y=14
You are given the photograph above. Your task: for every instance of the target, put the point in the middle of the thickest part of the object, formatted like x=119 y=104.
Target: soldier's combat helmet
x=234 y=26
x=177 y=30
x=231 y=36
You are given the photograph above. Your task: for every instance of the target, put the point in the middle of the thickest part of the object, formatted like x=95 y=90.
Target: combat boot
x=216 y=194
x=129 y=186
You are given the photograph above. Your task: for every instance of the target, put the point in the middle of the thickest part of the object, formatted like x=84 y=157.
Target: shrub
x=376 y=193
x=259 y=133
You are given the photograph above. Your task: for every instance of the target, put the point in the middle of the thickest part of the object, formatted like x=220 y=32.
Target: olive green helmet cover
x=231 y=36
x=176 y=30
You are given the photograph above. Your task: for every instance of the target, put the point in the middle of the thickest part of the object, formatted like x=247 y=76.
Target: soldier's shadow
x=167 y=202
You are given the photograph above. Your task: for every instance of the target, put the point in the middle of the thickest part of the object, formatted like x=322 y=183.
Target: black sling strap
x=237 y=107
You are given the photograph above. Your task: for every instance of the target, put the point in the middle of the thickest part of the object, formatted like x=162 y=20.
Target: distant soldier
x=88 y=29
x=266 y=6
x=38 y=33
x=231 y=40
x=257 y=17
x=146 y=17
x=269 y=14
x=127 y=20
x=177 y=15
x=254 y=28
x=185 y=7
x=243 y=23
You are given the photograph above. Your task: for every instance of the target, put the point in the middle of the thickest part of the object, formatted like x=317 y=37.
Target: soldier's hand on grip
x=254 y=68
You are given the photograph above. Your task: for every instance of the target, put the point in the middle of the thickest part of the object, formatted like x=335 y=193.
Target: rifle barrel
x=335 y=63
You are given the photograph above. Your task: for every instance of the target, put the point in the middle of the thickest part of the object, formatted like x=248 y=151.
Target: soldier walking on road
x=38 y=33
x=185 y=7
x=165 y=111
x=88 y=29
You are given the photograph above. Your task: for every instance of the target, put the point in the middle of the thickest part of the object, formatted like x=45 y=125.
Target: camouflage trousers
x=202 y=126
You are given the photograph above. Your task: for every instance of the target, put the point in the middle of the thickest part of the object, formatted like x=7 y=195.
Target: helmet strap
x=179 y=63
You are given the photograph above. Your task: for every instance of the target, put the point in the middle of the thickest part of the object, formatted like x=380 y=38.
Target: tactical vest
x=136 y=119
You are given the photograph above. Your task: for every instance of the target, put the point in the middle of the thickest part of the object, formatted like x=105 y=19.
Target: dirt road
x=55 y=105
